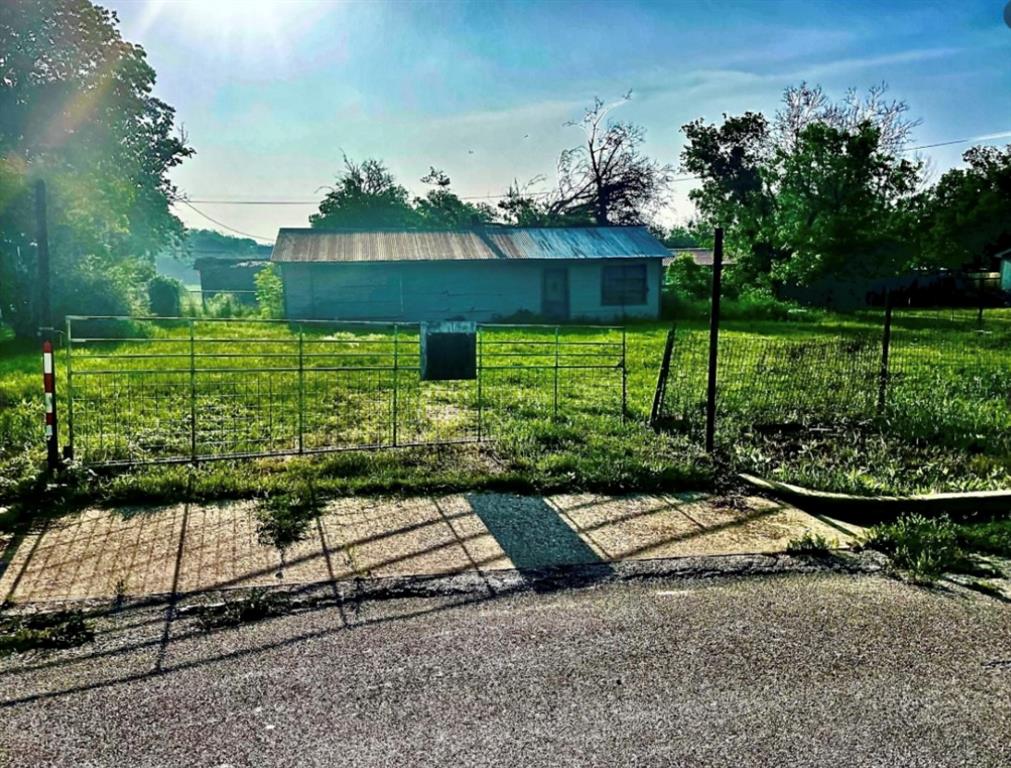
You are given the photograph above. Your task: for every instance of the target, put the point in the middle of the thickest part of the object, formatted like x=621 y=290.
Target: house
x=596 y=274
x=703 y=257
x=226 y=274
x=1005 y=271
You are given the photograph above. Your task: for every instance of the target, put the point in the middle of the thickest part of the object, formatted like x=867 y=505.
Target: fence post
x=68 y=450
x=556 y=372
x=49 y=387
x=193 y=396
x=301 y=390
x=660 y=393
x=886 y=343
x=714 y=337
x=480 y=365
x=396 y=379
x=624 y=375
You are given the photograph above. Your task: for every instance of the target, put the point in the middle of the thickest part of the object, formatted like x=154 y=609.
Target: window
x=623 y=284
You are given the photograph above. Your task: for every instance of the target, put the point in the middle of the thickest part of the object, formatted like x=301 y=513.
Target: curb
x=872 y=509
x=490 y=584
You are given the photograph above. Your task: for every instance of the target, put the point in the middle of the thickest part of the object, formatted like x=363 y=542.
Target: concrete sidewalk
x=188 y=548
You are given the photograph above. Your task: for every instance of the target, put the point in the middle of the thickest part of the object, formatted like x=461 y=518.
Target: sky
x=272 y=92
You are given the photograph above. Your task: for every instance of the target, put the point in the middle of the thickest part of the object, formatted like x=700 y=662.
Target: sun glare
x=235 y=26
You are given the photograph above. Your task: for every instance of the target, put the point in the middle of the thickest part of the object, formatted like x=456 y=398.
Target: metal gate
x=151 y=390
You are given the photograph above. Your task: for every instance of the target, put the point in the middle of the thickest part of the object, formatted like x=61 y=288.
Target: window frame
x=615 y=289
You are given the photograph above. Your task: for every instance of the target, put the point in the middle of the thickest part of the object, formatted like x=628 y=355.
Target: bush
x=270 y=292
x=164 y=295
x=925 y=547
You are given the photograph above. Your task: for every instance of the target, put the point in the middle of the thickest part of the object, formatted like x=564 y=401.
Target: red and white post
x=49 y=385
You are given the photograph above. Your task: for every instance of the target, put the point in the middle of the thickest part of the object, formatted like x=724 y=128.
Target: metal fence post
x=396 y=380
x=301 y=390
x=556 y=373
x=624 y=375
x=714 y=338
x=886 y=343
x=480 y=365
x=660 y=393
x=193 y=396
x=68 y=450
x=49 y=388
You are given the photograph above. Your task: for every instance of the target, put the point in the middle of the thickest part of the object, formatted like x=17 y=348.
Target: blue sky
x=272 y=91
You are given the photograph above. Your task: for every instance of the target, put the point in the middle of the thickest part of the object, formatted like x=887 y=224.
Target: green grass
x=927 y=548
x=948 y=431
x=47 y=631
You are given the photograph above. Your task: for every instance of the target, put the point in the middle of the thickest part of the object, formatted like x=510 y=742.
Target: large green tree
x=366 y=196
x=843 y=205
x=966 y=216
x=77 y=111
x=441 y=208
x=822 y=191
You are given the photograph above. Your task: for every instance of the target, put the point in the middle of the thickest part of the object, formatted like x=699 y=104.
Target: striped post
x=49 y=387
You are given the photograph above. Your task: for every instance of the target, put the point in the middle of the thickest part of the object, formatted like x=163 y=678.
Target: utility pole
x=44 y=313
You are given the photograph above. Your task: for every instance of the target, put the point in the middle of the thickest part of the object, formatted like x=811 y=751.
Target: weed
x=810 y=544
x=986 y=588
x=256 y=605
x=62 y=629
x=284 y=516
x=923 y=547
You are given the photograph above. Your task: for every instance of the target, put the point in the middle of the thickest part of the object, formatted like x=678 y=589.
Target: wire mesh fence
x=943 y=371
x=145 y=390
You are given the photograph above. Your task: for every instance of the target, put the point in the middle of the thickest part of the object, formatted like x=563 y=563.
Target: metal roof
x=703 y=257
x=491 y=244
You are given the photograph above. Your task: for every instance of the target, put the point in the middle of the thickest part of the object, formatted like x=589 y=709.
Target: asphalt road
x=795 y=670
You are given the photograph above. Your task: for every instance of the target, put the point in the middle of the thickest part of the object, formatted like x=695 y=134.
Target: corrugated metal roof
x=701 y=256
x=492 y=243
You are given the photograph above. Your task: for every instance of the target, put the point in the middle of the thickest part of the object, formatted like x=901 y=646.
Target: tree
x=804 y=105
x=822 y=191
x=966 y=216
x=844 y=205
x=607 y=179
x=734 y=162
x=270 y=292
x=76 y=110
x=366 y=196
x=440 y=208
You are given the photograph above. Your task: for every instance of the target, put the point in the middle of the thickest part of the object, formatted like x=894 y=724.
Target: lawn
x=799 y=402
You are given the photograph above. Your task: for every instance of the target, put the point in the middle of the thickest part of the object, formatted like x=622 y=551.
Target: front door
x=555 y=293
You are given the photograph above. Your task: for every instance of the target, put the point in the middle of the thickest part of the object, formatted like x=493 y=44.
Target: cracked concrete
x=191 y=548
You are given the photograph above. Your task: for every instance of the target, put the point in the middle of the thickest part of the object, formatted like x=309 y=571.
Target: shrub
x=809 y=544
x=270 y=292
x=925 y=547
x=164 y=295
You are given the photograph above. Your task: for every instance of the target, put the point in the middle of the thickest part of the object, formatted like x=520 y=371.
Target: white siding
x=473 y=290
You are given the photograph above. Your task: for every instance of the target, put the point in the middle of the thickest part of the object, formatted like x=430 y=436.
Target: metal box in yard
x=448 y=351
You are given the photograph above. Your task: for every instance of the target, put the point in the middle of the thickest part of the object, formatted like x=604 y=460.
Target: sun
x=235 y=26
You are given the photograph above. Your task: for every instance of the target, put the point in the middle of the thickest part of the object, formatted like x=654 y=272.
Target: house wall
x=473 y=290
x=240 y=281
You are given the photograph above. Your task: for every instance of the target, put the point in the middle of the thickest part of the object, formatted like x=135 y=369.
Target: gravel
x=784 y=670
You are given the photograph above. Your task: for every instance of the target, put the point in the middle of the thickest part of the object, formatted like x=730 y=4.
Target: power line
x=221 y=224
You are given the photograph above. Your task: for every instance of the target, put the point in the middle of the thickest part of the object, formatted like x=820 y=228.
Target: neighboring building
x=493 y=273
x=703 y=257
x=229 y=275
x=1005 y=271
